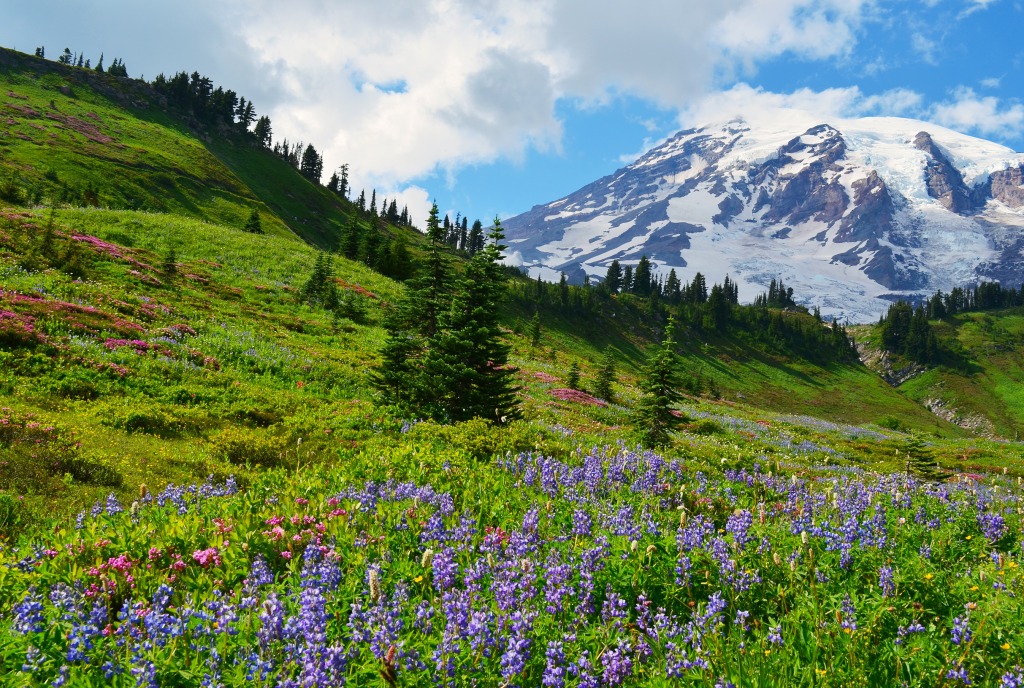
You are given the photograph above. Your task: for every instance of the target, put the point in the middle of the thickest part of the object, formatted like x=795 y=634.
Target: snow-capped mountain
x=851 y=214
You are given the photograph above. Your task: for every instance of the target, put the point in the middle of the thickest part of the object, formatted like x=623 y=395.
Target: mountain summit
x=852 y=214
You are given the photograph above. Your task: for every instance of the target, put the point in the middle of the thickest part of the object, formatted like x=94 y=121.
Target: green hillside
x=73 y=136
x=980 y=382
x=201 y=485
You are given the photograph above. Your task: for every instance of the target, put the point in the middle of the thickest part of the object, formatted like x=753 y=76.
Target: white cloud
x=925 y=47
x=479 y=79
x=976 y=6
x=758 y=106
x=985 y=115
x=991 y=82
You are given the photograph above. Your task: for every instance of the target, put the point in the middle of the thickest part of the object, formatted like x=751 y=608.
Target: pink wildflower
x=207 y=557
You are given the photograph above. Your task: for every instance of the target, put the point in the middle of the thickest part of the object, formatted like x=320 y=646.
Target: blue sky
x=493 y=106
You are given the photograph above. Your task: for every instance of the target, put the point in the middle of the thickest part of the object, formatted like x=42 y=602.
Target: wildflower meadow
x=608 y=566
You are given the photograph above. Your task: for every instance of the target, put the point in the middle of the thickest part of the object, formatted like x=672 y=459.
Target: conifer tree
x=572 y=380
x=350 y=239
x=605 y=377
x=660 y=387
x=254 y=224
x=918 y=460
x=613 y=279
x=535 y=330
x=466 y=368
x=320 y=289
x=169 y=267
x=410 y=325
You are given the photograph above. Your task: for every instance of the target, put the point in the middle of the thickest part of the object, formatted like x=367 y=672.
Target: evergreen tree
x=466 y=367
x=673 y=287
x=572 y=381
x=431 y=288
x=311 y=166
x=613 y=279
x=99 y=65
x=605 y=377
x=254 y=224
x=401 y=379
x=660 y=387
x=535 y=330
x=321 y=289
x=263 y=131
x=350 y=239
x=917 y=459
x=343 y=181
x=169 y=267
x=476 y=237
x=642 y=277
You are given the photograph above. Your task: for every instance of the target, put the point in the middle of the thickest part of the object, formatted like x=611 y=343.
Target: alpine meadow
x=258 y=428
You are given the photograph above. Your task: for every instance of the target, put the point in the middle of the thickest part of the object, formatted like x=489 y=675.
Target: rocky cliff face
x=852 y=214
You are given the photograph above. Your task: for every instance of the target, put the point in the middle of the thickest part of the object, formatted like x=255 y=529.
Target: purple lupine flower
x=849 y=622
x=739 y=525
x=260 y=573
x=582 y=523
x=272 y=619
x=1013 y=679
x=775 y=635
x=958 y=672
x=445 y=569
x=28 y=614
x=614 y=608
x=33 y=660
x=885 y=581
x=113 y=505
x=617 y=664
x=993 y=526
x=903 y=631
x=554 y=668
x=961 y=631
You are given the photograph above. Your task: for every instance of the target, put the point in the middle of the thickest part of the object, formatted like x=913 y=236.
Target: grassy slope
x=987 y=389
x=67 y=128
x=257 y=371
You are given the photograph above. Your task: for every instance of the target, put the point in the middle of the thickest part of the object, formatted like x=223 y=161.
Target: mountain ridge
x=853 y=214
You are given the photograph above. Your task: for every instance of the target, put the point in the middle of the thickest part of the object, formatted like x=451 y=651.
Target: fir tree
x=572 y=380
x=535 y=330
x=613 y=279
x=466 y=367
x=660 y=387
x=321 y=289
x=410 y=325
x=605 y=377
x=169 y=266
x=263 y=131
x=254 y=224
x=918 y=460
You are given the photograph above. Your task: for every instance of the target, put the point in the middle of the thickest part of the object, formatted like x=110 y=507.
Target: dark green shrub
x=88 y=471
x=10 y=514
x=245 y=445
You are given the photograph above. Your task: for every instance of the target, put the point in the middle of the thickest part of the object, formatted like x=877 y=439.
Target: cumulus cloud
x=765 y=108
x=985 y=115
x=400 y=90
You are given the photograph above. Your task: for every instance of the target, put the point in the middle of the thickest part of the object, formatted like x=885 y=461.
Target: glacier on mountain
x=852 y=214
